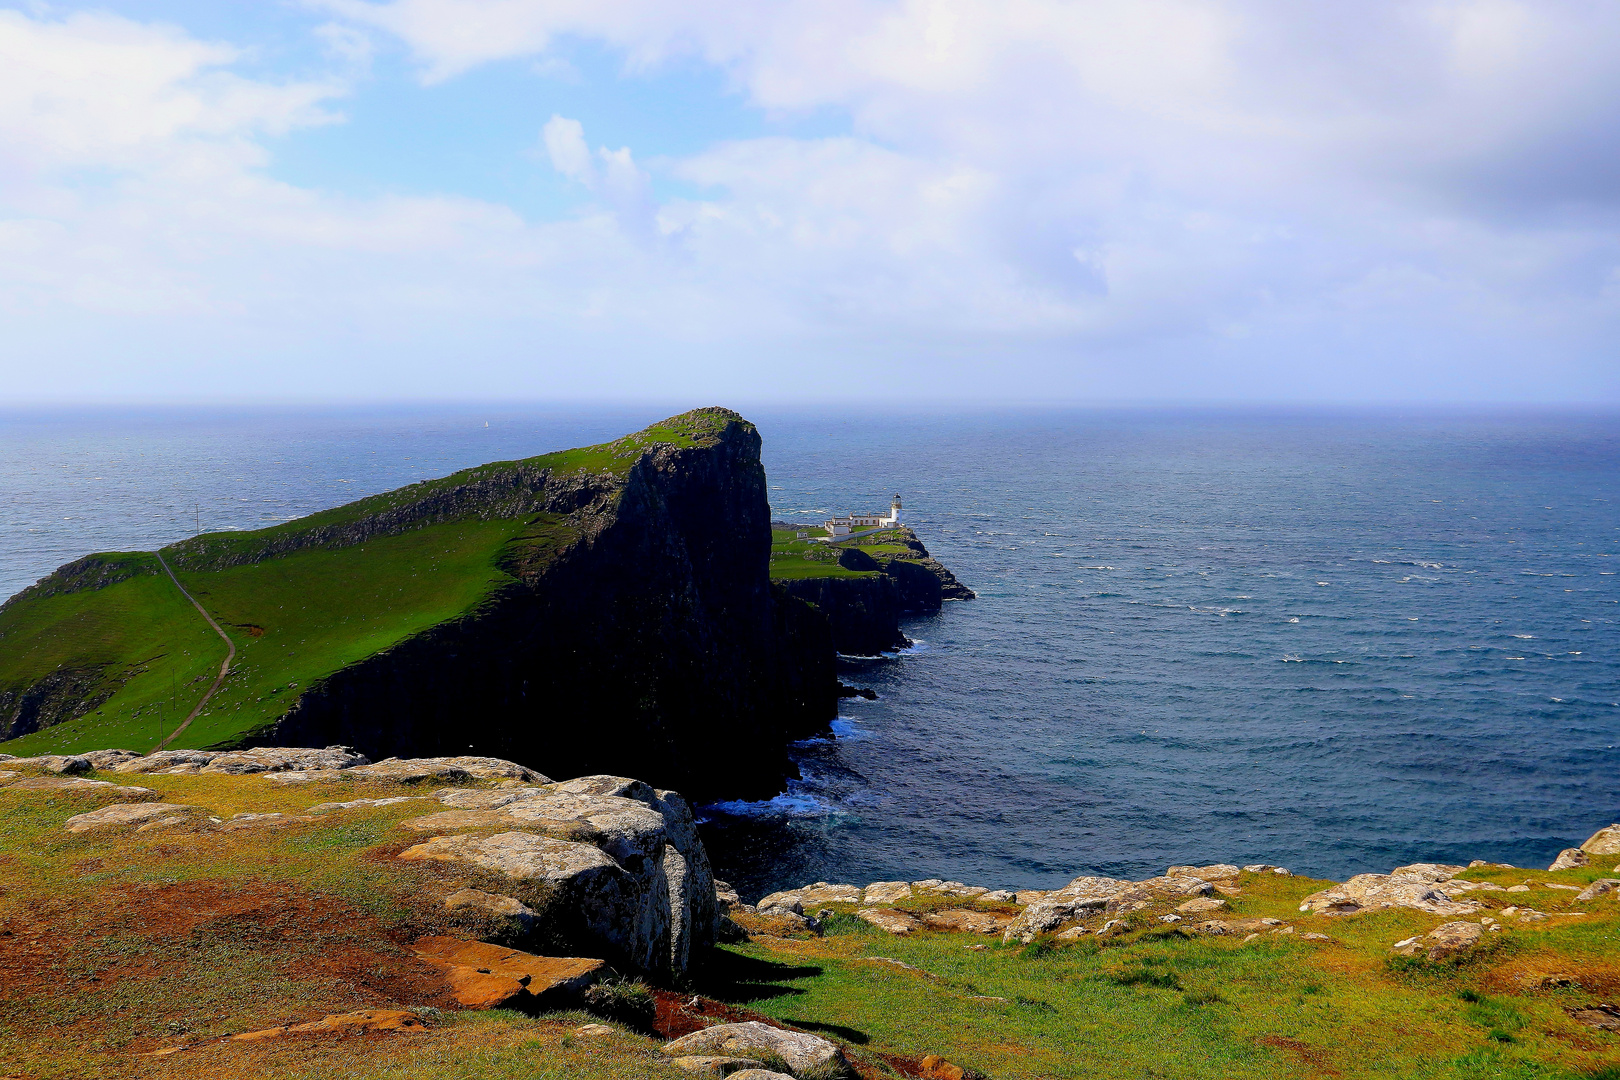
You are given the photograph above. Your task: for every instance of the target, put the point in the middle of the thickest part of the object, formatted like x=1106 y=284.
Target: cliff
x=865 y=585
x=600 y=610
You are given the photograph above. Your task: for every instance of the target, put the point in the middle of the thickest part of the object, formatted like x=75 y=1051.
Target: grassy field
x=1163 y=1002
x=300 y=601
x=117 y=943
x=794 y=558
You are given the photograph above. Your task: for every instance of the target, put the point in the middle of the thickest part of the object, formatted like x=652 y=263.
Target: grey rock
x=410 y=771
x=53 y=763
x=1080 y=897
x=520 y=919
x=890 y=920
x=282 y=759
x=1570 y=859
x=1599 y=888
x=709 y=1065
x=1415 y=886
x=633 y=877
x=108 y=760
x=1445 y=940
x=1605 y=841
x=125 y=814
x=760 y=1074
x=800 y=1051
x=79 y=785
x=166 y=759
x=886 y=892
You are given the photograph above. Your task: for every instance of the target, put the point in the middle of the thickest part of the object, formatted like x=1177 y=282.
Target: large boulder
x=1447 y=939
x=1570 y=859
x=801 y=1051
x=53 y=763
x=1605 y=841
x=1600 y=887
x=631 y=879
x=1420 y=886
x=283 y=759
x=1082 y=896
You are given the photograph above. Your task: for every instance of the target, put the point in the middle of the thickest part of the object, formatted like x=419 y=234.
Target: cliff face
x=653 y=645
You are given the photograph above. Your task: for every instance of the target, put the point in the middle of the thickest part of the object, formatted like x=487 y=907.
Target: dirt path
x=224 y=669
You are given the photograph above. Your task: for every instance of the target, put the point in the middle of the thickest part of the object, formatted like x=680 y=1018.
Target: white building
x=838 y=528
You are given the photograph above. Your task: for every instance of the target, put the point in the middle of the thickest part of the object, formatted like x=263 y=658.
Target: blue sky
x=862 y=200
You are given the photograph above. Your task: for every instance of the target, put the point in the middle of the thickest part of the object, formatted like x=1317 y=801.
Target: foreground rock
x=1085 y=896
x=484 y=976
x=629 y=877
x=343 y=1023
x=1420 y=886
x=802 y=1052
x=1605 y=841
x=141 y=815
x=1447 y=939
x=1570 y=859
x=78 y=785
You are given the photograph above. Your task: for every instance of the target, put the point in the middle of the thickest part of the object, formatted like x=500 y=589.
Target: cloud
x=1032 y=198
x=565 y=143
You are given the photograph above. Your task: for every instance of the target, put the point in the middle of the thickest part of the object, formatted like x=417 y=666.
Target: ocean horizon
x=1333 y=639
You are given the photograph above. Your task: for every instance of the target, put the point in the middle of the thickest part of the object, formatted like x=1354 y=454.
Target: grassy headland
x=300 y=600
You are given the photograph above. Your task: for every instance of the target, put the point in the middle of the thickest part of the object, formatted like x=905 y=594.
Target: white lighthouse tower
x=894 y=512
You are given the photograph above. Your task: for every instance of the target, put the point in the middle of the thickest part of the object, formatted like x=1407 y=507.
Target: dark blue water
x=1336 y=642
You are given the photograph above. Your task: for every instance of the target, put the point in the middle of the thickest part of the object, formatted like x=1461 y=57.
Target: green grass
x=792 y=558
x=1166 y=1002
x=300 y=601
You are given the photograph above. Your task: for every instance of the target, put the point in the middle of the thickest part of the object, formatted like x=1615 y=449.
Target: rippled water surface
x=1330 y=641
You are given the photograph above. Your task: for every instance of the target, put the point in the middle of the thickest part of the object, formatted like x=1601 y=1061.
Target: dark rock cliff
x=652 y=645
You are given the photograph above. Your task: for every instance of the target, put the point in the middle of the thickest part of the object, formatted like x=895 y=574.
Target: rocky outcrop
x=800 y=1051
x=1420 y=886
x=1570 y=859
x=1605 y=841
x=625 y=874
x=864 y=612
x=1445 y=940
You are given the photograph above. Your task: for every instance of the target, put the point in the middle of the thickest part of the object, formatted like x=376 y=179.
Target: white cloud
x=1035 y=198
x=565 y=142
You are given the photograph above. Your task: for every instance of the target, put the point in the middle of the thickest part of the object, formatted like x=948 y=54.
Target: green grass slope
x=300 y=600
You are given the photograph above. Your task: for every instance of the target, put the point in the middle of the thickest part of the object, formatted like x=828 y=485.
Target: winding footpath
x=224 y=669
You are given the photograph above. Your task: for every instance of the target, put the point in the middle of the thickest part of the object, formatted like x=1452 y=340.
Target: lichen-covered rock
x=411 y=771
x=1570 y=859
x=1605 y=841
x=886 y=892
x=710 y=1065
x=1418 y=886
x=53 y=763
x=108 y=760
x=282 y=759
x=632 y=876
x=967 y=922
x=79 y=785
x=124 y=814
x=1447 y=939
x=518 y=919
x=1082 y=896
x=1600 y=887
x=801 y=1051
x=164 y=760
x=899 y=923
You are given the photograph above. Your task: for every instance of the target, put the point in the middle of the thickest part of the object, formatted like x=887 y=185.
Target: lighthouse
x=894 y=512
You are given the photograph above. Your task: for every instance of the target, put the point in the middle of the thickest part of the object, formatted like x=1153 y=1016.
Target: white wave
x=791 y=805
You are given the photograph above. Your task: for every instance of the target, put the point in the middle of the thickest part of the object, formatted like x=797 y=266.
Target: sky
x=965 y=201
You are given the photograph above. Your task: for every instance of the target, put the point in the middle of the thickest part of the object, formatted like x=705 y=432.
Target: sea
x=1336 y=641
